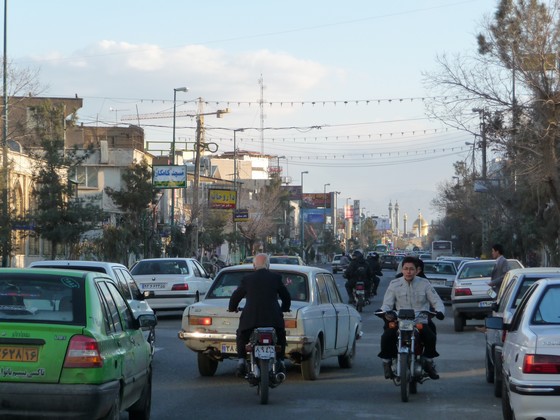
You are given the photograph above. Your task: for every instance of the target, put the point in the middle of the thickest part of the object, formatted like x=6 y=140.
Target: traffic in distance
x=323 y=323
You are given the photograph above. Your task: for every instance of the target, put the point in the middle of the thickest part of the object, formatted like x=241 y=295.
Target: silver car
x=531 y=354
x=320 y=324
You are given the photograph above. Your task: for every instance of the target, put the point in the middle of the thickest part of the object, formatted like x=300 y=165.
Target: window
x=322 y=288
x=548 y=310
x=113 y=319
x=85 y=176
x=333 y=290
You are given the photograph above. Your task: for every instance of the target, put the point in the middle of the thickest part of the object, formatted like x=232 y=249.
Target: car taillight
x=200 y=320
x=265 y=338
x=463 y=291
x=290 y=323
x=181 y=286
x=360 y=286
x=83 y=352
x=541 y=363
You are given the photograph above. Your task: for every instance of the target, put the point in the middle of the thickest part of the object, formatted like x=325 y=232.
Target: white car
x=531 y=354
x=175 y=283
x=470 y=295
x=319 y=325
x=514 y=286
x=120 y=274
x=442 y=275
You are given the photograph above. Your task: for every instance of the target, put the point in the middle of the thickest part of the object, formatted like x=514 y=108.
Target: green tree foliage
x=135 y=230
x=59 y=216
x=514 y=79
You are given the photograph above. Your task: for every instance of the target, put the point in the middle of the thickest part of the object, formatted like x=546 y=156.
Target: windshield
x=548 y=310
x=478 y=270
x=226 y=283
x=439 y=268
x=160 y=267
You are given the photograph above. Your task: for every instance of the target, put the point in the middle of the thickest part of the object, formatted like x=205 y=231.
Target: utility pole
x=484 y=174
x=6 y=228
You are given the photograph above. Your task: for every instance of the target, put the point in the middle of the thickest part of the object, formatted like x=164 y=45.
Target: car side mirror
x=148 y=294
x=494 y=323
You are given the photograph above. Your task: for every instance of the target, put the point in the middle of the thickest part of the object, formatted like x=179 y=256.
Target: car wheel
x=489 y=369
x=497 y=378
x=115 y=412
x=311 y=367
x=152 y=340
x=347 y=360
x=206 y=365
x=458 y=322
x=507 y=412
x=141 y=408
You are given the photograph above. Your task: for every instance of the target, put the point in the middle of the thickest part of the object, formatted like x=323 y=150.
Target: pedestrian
x=500 y=269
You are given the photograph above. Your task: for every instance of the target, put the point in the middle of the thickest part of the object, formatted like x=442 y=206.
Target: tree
x=136 y=200
x=59 y=216
x=513 y=83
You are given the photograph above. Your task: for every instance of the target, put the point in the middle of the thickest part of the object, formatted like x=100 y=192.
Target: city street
x=361 y=392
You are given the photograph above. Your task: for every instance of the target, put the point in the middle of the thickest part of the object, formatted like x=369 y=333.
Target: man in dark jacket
x=373 y=261
x=261 y=290
x=358 y=270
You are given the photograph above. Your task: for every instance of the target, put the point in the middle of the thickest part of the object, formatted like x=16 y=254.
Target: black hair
x=410 y=259
x=499 y=248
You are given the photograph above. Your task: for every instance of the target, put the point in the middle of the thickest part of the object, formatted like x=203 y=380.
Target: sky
x=333 y=88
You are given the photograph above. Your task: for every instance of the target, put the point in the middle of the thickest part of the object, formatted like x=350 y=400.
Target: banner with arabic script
x=169 y=176
x=221 y=199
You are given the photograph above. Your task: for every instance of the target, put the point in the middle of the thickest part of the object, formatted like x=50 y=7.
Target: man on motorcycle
x=358 y=270
x=410 y=292
x=261 y=290
x=373 y=261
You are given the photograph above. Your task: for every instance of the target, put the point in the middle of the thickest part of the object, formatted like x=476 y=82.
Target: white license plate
x=485 y=304
x=152 y=286
x=229 y=348
x=438 y=282
x=265 y=352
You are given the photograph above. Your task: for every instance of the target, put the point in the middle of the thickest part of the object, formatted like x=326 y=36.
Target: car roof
x=61 y=271
x=534 y=270
x=80 y=263
x=306 y=269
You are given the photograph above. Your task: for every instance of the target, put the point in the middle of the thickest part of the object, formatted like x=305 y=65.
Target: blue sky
x=352 y=68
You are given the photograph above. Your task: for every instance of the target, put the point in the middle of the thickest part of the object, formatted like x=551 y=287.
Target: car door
x=328 y=314
x=131 y=345
x=342 y=314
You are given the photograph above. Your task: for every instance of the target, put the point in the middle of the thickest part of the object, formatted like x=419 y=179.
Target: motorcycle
x=409 y=367
x=263 y=370
x=360 y=295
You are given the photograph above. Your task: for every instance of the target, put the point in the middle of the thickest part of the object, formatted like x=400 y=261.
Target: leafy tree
x=135 y=199
x=59 y=216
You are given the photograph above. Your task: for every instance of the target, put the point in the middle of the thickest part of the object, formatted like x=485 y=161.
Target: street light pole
x=325 y=211
x=302 y=218
x=347 y=225
x=235 y=176
x=175 y=90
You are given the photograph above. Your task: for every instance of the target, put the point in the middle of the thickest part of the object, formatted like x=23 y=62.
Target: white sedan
x=531 y=354
x=320 y=324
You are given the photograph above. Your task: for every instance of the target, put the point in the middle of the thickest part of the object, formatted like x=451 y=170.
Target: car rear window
x=548 y=309
x=477 y=270
x=42 y=298
x=226 y=283
x=160 y=267
x=284 y=260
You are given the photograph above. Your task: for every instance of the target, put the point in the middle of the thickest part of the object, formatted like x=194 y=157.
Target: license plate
x=485 y=304
x=265 y=352
x=438 y=282
x=229 y=348
x=19 y=354
x=152 y=286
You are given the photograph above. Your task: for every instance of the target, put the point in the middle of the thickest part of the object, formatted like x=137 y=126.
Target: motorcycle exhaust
x=280 y=377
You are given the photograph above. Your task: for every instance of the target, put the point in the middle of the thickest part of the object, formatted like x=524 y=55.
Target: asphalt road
x=179 y=392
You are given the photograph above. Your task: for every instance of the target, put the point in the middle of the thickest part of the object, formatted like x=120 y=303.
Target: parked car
x=389 y=261
x=456 y=260
x=442 y=275
x=123 y=279
x=71 y=347
x=175 y=282
x=319 y=325
x=336 y=264
x=531 y=354
x=514 y=286
x=286 y=259
x=470 y=295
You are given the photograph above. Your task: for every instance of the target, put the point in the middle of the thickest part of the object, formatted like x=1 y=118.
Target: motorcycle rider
x=373 y=261
x=410 y=292
x=261 y=290
x=358 y=270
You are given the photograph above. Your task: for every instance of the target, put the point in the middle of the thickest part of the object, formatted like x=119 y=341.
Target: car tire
x=489 y=368
x=507 y=412
x=206 y=365
x=458 y=322
x=311 y=367
x=497 y=378
x=140 y=410
x=115 y=411
x=152 y=340
x=346 y=361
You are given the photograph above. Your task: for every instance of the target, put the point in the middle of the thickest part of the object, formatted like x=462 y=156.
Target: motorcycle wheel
x=262 y=388
x=360 y=304
x=404 y=375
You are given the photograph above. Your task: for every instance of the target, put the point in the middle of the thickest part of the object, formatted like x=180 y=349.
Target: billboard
x=169 y=176
x=356 y=213
x=293 y=192
x=315 y=200
x=241 y=215
x=314 y=216
x=221 y=199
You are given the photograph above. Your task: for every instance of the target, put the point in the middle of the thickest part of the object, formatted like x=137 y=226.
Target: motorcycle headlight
x=406 y=324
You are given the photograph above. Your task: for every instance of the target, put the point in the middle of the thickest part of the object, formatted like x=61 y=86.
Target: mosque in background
x=419 y=227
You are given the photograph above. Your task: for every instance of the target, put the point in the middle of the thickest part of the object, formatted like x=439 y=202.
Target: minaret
x=391 y=214
x=405 y=219
x=396 y=231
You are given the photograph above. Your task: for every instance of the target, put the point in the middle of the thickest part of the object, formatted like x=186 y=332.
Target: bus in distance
x=441 y=249
x=381 y=249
